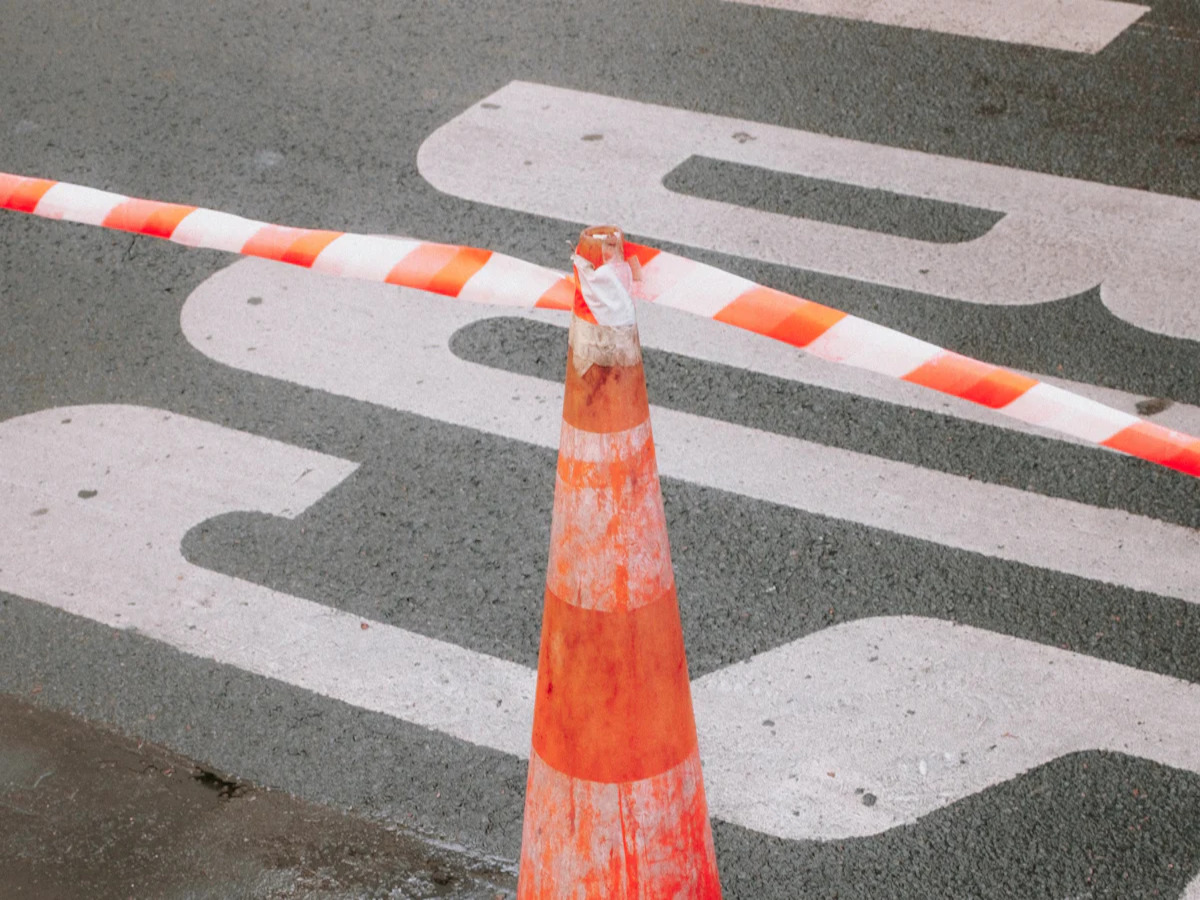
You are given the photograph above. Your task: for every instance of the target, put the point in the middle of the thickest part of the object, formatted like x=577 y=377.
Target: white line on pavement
x=114 y=557
x=540 y=149
x=916 y=712
x=347 y=339
x=1083 y=26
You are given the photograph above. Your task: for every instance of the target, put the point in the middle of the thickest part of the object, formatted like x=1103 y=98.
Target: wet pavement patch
x=87 y=812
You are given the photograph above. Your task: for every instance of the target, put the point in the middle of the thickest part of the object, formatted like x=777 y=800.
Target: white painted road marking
x=522 y=148
x=343 y=338
x=984 y=707
x=115 y=558
x=1082 y=26
x=919 y=713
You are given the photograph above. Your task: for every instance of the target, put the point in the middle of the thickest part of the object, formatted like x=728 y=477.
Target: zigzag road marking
x=342 y=338
x=916 y=711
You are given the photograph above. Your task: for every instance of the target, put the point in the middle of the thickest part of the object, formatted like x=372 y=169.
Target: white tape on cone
x=607 y=291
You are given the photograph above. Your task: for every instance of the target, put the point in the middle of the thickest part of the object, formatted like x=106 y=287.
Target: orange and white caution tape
x=837 y=337
x=466 y=272
x=482 y=276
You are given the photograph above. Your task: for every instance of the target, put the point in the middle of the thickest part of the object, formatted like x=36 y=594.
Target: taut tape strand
x=486 y=277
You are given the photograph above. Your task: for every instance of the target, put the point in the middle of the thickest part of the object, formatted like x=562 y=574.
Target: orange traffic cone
x=614 y=804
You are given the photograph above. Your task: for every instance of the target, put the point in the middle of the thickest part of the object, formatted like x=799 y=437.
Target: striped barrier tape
x=467 y=272
x=483 y=276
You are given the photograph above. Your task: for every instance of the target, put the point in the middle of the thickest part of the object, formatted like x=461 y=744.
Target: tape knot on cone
x=615 y=803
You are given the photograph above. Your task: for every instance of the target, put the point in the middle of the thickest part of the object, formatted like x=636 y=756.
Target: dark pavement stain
x=225 y=788
x=95 y=814
x=1153 y=405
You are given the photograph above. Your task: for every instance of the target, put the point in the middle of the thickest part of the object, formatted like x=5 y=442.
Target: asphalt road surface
x=297 y=527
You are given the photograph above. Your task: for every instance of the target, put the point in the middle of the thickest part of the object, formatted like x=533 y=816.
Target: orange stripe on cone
x=615 y=704
x=604 y=398
x=615 y=802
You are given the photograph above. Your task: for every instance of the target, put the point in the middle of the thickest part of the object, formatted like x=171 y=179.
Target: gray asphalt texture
x=311 y=114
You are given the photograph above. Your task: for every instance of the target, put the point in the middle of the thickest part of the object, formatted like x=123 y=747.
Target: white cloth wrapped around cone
x=608 y=290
